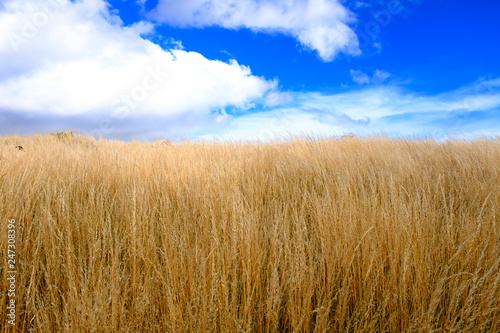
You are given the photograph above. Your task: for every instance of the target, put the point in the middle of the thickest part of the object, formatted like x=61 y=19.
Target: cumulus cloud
x=320 y=25
x=67 y=64
x=378 y=77
x=74 y=58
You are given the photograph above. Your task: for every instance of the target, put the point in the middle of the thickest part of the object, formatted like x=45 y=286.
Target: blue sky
x=250 y=69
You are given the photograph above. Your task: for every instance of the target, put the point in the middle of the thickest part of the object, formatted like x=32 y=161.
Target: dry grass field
x=354 y=235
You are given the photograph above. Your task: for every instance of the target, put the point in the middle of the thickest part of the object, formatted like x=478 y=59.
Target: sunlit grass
x=372 y=235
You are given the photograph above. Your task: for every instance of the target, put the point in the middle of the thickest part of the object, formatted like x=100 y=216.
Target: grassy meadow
x=352 y=235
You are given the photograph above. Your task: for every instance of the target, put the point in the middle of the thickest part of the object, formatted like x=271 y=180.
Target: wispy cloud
x=277 y=98
x=470 y=110
x=359 y=77
x=321 y=25
x=378 y=77
x=141 y=3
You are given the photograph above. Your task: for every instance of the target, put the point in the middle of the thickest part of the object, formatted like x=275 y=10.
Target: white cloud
x=384 y=101
x=378 y=77
x=321 y=25
x=75 y=62
x=80 y=60
x=174 y=44
x=276 y=124
x=275 y=98
x=359 y=77
x=360 y=4
x=142 y=28
x=471 y=110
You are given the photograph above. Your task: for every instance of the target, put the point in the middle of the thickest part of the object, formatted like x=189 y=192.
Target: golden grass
x=373 y=235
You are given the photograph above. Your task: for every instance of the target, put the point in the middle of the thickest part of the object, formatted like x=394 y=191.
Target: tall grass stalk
x=354 y=235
